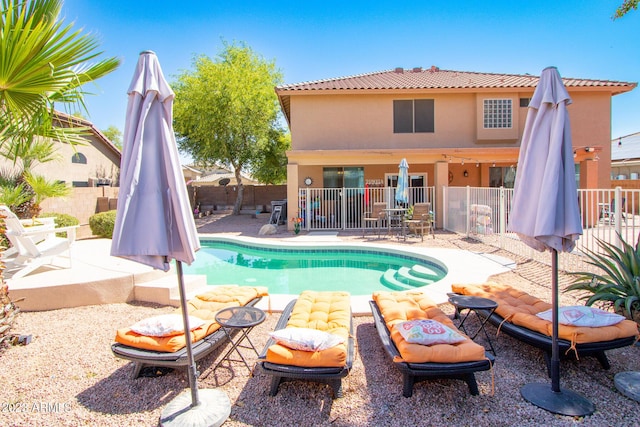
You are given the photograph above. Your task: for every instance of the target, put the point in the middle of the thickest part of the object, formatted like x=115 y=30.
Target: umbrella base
x=213 y=410
x=628 y=383
x=564 y=402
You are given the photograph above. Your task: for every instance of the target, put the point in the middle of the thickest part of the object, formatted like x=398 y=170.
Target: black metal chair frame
x=415 y=372
x=143 y=358
x=329 y=375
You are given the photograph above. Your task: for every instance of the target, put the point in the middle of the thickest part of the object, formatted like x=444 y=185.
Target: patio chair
x=516 y=317
x=374 y=217
x=330 y=314
x=607 y=212
x=35 y=246
x=418 y=362
x=170 y=351
x=422 y=218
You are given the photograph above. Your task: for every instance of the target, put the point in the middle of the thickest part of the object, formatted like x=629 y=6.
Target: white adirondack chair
x=35 y=245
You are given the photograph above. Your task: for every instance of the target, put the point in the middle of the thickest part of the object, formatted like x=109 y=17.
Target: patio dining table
x=394 y=220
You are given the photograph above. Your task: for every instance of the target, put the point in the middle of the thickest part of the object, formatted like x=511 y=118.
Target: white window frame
x=389 y=178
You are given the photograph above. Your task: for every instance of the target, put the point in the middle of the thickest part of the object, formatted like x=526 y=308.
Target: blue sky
x=315 y=40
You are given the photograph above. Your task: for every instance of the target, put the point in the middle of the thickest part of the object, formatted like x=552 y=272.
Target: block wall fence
x=83 y=202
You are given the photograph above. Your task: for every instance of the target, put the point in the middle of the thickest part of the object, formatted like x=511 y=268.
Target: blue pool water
x=291 y=270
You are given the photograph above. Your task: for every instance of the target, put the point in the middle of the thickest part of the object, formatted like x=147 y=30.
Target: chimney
x=434 y=69
x=417 y=69
x=399 y=70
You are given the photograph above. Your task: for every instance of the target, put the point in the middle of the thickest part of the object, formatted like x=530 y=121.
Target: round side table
x=473 y=304
x=243 y=320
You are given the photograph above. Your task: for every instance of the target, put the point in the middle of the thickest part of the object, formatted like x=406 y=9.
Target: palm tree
x=42 y=63
x=43 y=189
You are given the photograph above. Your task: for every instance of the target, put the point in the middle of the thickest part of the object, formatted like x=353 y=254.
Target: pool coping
x=95 y=277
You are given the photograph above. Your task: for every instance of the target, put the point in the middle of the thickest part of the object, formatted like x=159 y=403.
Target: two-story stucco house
x=454 y=128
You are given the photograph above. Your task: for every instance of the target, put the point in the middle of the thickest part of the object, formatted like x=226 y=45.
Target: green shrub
x=61 y=220
x=101 y=224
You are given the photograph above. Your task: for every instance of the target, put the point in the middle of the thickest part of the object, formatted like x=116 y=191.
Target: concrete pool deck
x=97 y=278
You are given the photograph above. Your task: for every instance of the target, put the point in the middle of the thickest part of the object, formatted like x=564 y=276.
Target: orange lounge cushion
x=521 y=308
x=397 y=307
x=324 y=311
x=204 y=306
x=164 y=344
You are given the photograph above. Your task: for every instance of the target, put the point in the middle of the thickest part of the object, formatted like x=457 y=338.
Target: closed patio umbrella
x=545 y=214
x=402 y=190
x=154 y=223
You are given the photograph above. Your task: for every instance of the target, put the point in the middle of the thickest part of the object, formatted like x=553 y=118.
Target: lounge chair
x=421 y=362
x=171 y=351
x=516 y=317
x=34 y=246
x=325 y=311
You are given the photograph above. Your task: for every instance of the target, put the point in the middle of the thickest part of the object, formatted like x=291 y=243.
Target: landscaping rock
x=267 y=229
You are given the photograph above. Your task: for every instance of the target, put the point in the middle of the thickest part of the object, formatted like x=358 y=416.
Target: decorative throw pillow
x=165 y=325
x=582 y=315
x=306 y=339
x=428 y=332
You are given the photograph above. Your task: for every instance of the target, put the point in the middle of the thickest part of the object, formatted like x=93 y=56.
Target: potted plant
x=409 y=213
x=296 y=224
x=618 y=283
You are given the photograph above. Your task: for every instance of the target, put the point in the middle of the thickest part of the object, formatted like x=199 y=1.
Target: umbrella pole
x=192 y=370
x=555 y=356
x=211 y=407
x=555 y=399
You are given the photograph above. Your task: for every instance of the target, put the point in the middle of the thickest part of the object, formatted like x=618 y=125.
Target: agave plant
x=618 y=284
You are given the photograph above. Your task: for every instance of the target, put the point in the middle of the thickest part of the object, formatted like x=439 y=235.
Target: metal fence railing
x=343 y=208
x=483 y=214
x=480 y=213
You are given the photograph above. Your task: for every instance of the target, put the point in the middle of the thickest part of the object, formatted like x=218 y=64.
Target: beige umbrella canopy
x=154 y=224
x=546 y=216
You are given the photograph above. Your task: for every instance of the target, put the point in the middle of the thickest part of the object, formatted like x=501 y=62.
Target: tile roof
x=435 y=78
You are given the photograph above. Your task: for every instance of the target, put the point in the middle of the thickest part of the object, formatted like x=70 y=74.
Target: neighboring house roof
x=214 y=179
x=192 y=169
x=73 y=121
x=214 y=175
x=434 y=78
x=625 y=147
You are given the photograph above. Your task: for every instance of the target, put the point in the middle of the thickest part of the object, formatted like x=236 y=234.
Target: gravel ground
x=67 y=375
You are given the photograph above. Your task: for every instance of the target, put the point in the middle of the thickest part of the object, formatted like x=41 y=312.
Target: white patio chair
x=35 y=246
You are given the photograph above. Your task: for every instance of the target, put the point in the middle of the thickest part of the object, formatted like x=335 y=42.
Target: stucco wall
x=365 y=122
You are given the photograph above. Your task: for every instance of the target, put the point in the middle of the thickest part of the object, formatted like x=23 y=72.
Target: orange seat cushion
x=521 y=308
x=325 y=311
x=397 y=307
x=204 y=306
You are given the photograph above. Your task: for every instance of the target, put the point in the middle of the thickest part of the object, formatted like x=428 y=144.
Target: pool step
x=425 y=272
x=165 y=290
x=389 y=279
x=405 y=275
x=406 y=278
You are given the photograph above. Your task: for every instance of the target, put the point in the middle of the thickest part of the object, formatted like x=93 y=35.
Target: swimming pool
x=293 y=269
